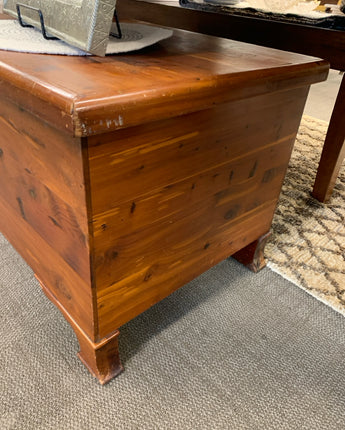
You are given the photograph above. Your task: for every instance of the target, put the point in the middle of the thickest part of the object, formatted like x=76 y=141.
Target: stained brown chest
x=122 y=178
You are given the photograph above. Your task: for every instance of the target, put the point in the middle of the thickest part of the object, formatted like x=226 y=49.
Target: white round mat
x=13 y=37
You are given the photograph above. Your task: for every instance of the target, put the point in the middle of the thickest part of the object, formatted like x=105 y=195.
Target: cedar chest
x=124 y=177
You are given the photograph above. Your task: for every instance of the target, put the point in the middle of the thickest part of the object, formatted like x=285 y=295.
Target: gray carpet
x=230 y=350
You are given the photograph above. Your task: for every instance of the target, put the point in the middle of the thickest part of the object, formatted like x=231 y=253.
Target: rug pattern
x=307 y=245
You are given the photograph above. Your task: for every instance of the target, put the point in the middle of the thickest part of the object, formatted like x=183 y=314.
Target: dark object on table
x=334 y=22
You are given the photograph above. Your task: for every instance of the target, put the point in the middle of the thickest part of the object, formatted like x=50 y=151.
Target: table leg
x=333 y=150
x=101 y=358
x=252 y=255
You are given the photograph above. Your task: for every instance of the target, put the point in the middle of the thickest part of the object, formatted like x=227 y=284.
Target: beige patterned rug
x=308 y=238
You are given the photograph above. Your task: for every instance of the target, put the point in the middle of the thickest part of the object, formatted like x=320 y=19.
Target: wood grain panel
x=140 y=161
x=189 y=230
x=42 y=180
x=174 y=198
x=44 y=207
x=126 y=299
x=63 y=282
x=54 y=220
x=49 y=155
x=237 y=178
x=137 y=235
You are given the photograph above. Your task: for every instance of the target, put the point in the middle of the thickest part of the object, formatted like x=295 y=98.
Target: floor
x=322 y=97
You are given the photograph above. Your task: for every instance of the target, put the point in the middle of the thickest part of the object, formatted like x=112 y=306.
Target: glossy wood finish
x=119 y=190
x=43 y=206
x=310 y=40
x=190 y=191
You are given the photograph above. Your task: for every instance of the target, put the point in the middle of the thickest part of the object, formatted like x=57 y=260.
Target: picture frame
x=85 y=24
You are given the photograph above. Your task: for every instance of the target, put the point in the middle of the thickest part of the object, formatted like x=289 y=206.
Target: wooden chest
x=123 y=178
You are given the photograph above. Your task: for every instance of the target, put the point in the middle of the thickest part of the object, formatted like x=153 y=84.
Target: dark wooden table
x=304 y=39
x=124 y=177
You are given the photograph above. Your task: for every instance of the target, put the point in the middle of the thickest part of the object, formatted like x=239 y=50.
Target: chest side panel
x=43 y=195
x=173 y=198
